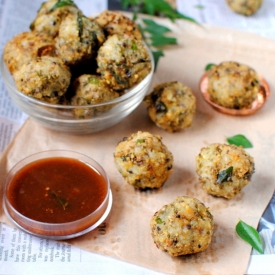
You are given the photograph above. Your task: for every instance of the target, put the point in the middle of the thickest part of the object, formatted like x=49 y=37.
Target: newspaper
x=14 y=20
x=24 y=254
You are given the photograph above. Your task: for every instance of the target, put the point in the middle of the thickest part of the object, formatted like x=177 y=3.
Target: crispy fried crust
x=233 y=85
x=218 y=157
x=46 y=78
x=245 y=7
x=182 y=227
x=115 y=22
x=171 y=106
x=91 y=89
x=143 y=160
x=25 y=46
x=123 y=61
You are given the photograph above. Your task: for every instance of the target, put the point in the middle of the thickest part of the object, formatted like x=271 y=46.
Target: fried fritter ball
x=78 y=39
x=46 y=78
x=25 y=46
x=91 y=89
x=245 y=7
x=123 y=61
x=233 y=85
x=224 y=170
x=171 y=106
x=143 y=160
x=115 y=22
x=51 y=14
x=182 y=227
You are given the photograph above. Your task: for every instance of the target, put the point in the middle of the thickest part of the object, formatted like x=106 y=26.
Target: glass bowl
x=61 y=117
x=52 y=203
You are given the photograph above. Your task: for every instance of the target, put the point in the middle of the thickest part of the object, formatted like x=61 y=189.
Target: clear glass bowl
x=58 y=231
x=61 y=118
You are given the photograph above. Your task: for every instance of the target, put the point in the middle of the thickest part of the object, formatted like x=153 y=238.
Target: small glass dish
x=55 y=230
x=254 y=107
x=61 y=118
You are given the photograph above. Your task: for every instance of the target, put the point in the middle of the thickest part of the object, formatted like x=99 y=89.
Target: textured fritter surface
x=182 y=227
x=25 y=46
x=143 y=160
x=78 y=39
x=171 y=106
x=233 y=85
x=224 y=169
x=51 y=14
x=123 y=61
x=115 y=22
x=46 y=78
x=91 y=89
x=245 y=7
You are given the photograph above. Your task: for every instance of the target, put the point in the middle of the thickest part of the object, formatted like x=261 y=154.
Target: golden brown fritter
x=25 y=46
x=224 y=169
x=51 y=14
x=115 y=22
x=89 y=90
x=78 y=39
x=182 y=227
x=233 y=85
x=143 y=160
x=171 y=106
x=245 y=7
x=123 y=61
x=46 y=78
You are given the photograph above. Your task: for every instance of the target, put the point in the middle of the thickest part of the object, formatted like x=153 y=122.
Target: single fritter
x=224 y=170
x=46 y=78
x=123 y=61
x=245 y=7
x=171 y=106
x=51 y=14
x=78 y=39
x=143 y=160
x=115 y=22
x=88 y=90
x=233 y=85
x=182 y=227
x=25 y=46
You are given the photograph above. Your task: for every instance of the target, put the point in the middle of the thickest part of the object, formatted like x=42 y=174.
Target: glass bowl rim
x=56 y=225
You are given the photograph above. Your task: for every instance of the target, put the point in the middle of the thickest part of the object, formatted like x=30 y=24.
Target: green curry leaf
x=159 y=220
x=157 y=55
x=60 y=200
x=152 y=32
x=250 y=235
x=239 y=140
x=208 y=66
x=160 y=40
x=224 y=175
x=154 y=28
x=80 y=25
x=62 y=3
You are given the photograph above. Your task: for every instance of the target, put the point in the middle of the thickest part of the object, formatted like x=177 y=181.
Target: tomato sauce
x=57 y=190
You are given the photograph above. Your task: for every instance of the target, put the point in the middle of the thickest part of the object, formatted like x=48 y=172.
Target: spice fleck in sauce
x=57 y=190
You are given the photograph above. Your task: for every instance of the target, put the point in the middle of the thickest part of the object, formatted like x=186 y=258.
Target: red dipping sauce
x=57 y=190
x=66 y=194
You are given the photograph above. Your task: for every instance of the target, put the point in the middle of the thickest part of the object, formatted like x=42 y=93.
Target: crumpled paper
x=126 y=233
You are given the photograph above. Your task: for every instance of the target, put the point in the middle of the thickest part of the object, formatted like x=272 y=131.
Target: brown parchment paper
x=125 y=234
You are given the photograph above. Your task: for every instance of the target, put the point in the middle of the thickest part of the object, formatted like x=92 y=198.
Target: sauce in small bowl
x=57 y=194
